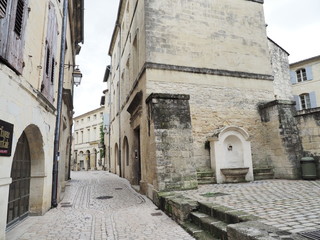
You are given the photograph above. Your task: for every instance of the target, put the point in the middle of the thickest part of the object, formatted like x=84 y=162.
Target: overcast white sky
x=293 y=24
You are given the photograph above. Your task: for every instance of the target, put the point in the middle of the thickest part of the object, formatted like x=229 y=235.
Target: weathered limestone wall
x=216 y=102
x=220 y=34
x=309 y=129
x=171 y=123
x=282 y=138
x=280 y=66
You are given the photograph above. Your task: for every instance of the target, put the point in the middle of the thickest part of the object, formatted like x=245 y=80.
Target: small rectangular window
x=305 y=101
x=301 y=75
x=3 y=8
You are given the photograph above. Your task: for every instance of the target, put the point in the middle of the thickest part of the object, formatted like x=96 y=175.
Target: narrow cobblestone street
x=100 y=205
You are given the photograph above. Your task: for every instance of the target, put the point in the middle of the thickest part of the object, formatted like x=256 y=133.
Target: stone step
x=263 y=176
x=262 y=170
x=207 y=173
x=204 y=182
x=263 y=173
x=217 y=228
x=225 y=214
x=197 y=232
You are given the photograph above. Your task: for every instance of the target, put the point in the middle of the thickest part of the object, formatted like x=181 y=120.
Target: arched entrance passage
x=116 y=159
x=81 y=160
x=19 y=193
x=27 y=173
x=125 y=157
x=88 y=159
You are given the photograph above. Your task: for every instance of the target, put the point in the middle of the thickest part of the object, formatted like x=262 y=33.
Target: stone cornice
x=209 y=71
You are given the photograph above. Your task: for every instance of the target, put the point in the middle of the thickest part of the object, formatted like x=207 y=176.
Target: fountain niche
x=230 y=153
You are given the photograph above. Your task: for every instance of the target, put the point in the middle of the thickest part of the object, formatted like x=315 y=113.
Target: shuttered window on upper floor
x=3 y=7
x=301 y=75
x=19 y=18
x=47 y=86
x=12 y=32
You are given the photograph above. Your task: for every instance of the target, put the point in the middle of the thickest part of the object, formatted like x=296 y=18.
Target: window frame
x=301 y=75
x=305 y=101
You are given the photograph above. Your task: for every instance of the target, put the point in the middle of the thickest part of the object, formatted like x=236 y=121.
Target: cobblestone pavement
x=290 y=205
x=83 y=216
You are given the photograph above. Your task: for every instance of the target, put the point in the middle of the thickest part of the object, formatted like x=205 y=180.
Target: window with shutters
x=305 y=101
x=47 y=86
x=19 y=18
x=3 y=8
x=301 y=75
x=13 y=21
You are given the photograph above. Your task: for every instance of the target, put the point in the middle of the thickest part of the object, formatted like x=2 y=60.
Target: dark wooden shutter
x=17 y=30
x=13 y=30
x=4 y=31
x=50 y=56
x=3 y=7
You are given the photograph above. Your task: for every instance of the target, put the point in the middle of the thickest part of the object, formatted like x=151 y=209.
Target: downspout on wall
x=56 y=153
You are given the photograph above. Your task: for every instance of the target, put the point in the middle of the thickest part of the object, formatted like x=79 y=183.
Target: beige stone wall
x=217 y=102
x=283 y=147
x=280 y=67
x=24 y=106
x=221 y=34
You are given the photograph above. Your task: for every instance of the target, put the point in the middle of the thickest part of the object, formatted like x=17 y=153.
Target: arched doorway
x=88 y=159
x=116 y=159
x=19 y=193
x=81 y=160
x=125 y=158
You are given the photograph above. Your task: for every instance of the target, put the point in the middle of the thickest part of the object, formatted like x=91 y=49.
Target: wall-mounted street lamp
x=77 y=75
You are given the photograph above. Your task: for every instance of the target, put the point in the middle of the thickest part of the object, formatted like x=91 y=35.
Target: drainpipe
x=119 y=104
x=56 y=152
x=109 y=137
x=71 y=140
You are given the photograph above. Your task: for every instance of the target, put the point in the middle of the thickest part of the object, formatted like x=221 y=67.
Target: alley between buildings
x=100 y=205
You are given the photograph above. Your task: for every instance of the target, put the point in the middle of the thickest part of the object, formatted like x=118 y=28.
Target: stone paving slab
x=121 y=214
x=291 y=205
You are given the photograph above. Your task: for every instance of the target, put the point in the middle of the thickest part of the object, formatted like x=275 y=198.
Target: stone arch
x=125 y=154
x=38 y=175
x=37 y=169
x=88 y=160
x=81 y=160
x=230 y=151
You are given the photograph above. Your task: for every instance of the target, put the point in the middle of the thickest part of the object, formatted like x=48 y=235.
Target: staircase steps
x=209 y=224
x=197 y=232
x=263 y=173
x=205 y=176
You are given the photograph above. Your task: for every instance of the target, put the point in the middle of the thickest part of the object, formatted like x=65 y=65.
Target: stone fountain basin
x=235 y=175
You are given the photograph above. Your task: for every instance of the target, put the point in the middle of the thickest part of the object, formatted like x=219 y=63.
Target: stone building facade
x=86 y=149
x=30 y=39
x=189 y=78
